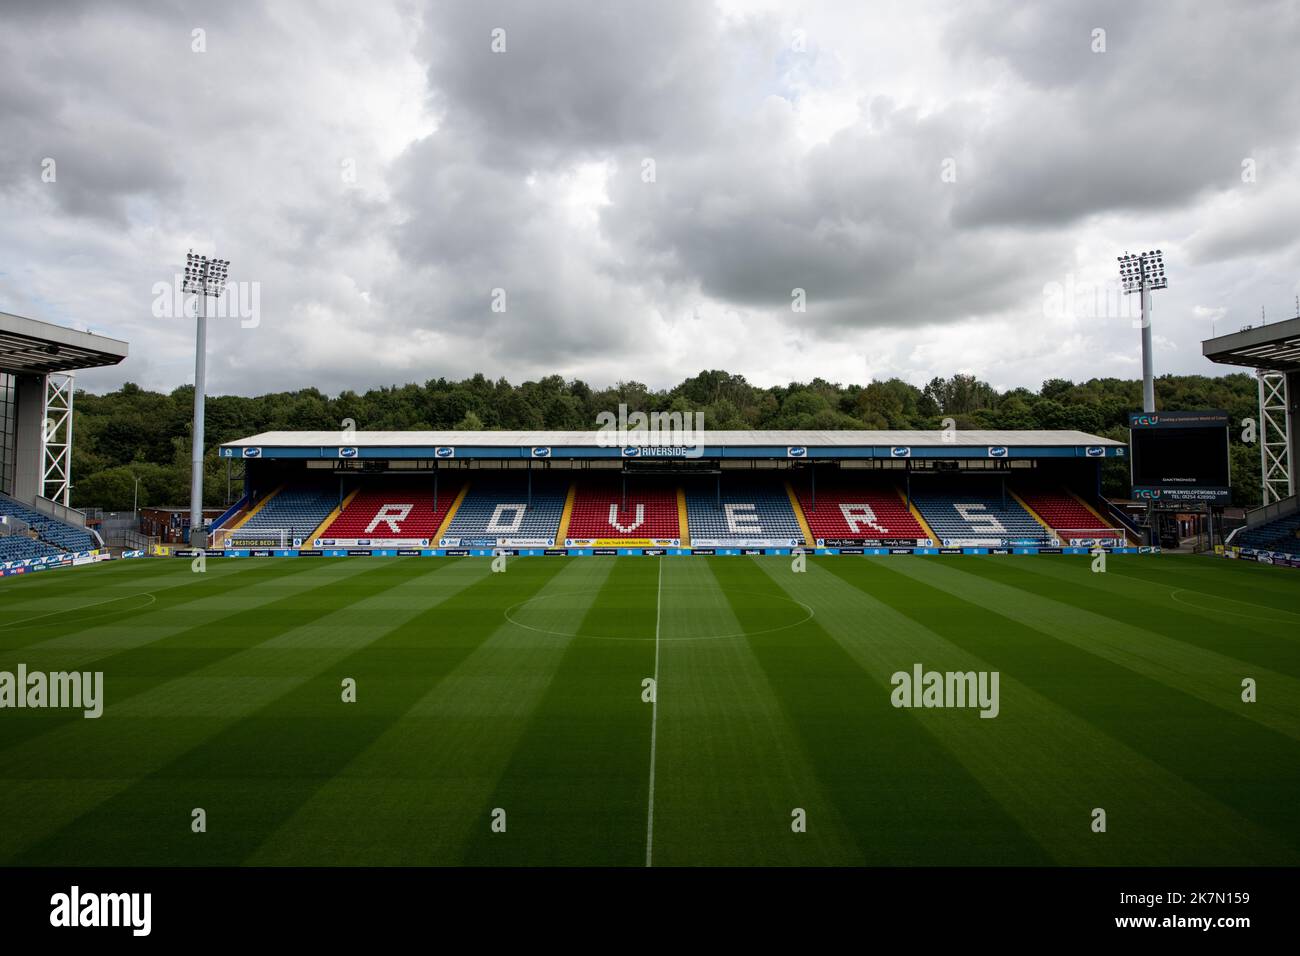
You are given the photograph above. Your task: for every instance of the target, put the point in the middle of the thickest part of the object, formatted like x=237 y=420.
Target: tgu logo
x=900 y=451
x=1147 y=493
x=1094 y=451
x=541 y=452
x=796 y=452
x=347 y=453
x=252 y=453
x=1146 y=420
x=997 y=451
x=444 y=452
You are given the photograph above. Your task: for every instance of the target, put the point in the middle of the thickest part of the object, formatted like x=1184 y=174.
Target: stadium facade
x=650 y=492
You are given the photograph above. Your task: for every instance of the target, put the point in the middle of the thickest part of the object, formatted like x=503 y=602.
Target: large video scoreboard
x=1179 y=456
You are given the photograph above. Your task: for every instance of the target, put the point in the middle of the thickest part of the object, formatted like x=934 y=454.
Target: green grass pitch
x=523 y=691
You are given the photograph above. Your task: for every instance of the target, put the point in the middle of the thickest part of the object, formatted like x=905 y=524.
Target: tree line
x=133 y=437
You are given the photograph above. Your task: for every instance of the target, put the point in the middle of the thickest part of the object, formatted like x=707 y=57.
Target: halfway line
x=654 y=725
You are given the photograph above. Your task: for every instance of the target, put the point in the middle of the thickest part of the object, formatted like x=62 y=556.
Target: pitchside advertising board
x=1179 y=456
x=622 y=542
x=875 y=543
x=46 y=562
x=370 y=542
x=487 y=548
x=260 y=541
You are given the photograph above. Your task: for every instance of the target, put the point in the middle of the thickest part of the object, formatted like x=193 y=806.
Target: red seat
x=1063 y=512
x=844 y=512
x=598 y=512
x=400 y=511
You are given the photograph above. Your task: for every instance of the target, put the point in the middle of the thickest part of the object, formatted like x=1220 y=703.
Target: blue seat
x=1277 y=535
x=63 y=536
x=747 y=510
x=16 y=547
x=298 y=511
x=498 y=507
x=979 y=516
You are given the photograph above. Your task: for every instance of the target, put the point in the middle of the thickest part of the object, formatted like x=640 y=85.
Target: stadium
x=652 y=648
x=717 y=465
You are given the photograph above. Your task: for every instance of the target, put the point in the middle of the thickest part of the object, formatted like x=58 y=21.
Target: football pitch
x=672 y=711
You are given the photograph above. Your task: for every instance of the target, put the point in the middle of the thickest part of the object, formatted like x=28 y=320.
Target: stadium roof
x=32 y=347
x=708 y=444
x=1274 y=347
x=803 y=437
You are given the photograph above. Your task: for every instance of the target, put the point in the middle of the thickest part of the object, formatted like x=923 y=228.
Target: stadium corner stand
x=1271 y=534
x=38 y=528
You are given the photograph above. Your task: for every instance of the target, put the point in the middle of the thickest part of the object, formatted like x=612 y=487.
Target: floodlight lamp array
x=1136 y=267
x=205 y=276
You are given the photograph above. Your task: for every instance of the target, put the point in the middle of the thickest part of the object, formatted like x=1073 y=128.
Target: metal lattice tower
x=1274 y=436
x=56 y=438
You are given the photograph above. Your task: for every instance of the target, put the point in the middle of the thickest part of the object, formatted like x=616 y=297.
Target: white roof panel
x=734 y=439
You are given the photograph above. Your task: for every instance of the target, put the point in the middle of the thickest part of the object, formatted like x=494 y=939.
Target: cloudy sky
x=622 y=190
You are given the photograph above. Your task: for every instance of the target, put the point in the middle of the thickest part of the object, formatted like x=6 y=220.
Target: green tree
x=133 y=431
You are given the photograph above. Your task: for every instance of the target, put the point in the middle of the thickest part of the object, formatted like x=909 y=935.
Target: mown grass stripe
x=457 y=729
x=1048 y=766
x=1204 y=742
x=74 y=610
x=1215 y=576
x=415 y=796
x=1132 y=602
x=159 y=727
x=904 y=796
x=731 y=769
x=18 y=591
x=574 y=790
x=150 y=659
x=1213 y=677
x=1271 y=611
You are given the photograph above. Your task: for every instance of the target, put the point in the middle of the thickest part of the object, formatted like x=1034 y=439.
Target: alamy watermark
x=78 y=908
x=656 y=434
x=922 y=688
x=238 y=300
x=77 y=690
x=1080 y=299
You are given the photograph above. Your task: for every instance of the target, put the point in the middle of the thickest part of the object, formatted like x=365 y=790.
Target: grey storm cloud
x=575 y=78
x=858 y=223
x=925 y=175
x=1178 y=97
